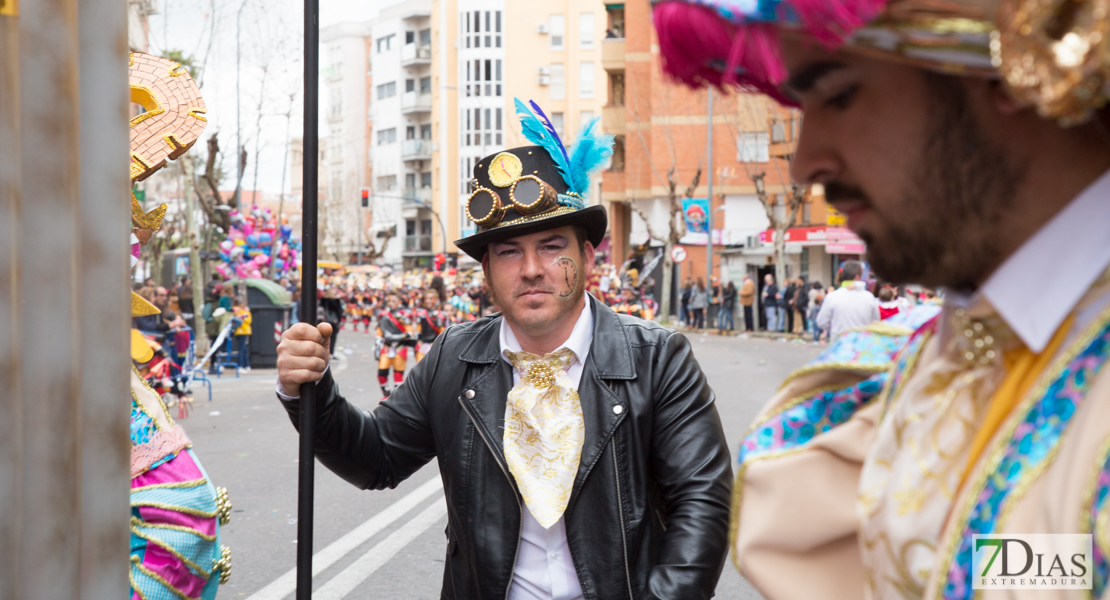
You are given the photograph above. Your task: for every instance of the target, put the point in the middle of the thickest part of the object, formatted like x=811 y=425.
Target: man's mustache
x=836 y=191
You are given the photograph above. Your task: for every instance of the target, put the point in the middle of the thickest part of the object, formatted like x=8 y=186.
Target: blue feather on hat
x=587 y=156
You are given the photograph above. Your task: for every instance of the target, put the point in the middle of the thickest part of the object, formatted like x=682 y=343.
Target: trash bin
x=271 y=309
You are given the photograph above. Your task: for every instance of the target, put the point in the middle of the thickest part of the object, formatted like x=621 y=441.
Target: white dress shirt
x=544 y=568
x=1037 y=286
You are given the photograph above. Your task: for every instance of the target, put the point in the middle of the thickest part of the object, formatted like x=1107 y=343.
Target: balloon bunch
x=250 y=246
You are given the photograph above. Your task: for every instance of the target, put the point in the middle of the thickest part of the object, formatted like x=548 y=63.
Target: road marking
x=347 y=580
x=287 y=583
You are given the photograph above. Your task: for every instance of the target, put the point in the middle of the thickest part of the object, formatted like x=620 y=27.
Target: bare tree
x=676 y=222
x=793 y=195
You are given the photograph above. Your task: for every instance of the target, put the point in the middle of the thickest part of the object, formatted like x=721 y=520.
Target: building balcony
x=416 y=150
x=419 y=194
x=415 y=102
x=413 y=54
x=612 y=54
x=418 y=244
x=612 y=119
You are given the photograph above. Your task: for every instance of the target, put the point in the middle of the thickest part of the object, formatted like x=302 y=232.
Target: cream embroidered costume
x=871 y=469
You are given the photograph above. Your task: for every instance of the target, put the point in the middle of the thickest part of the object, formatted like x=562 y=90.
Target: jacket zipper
x=520 y=509
x=620 y=510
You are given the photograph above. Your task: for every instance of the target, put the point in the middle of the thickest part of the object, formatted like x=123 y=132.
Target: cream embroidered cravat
x=544 y=431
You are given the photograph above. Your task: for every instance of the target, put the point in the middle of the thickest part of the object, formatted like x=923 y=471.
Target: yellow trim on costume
x=177 y=70
x=198 y=113
x=1000 y=440
x=177 y=485
x=140 y=307
x=141 y=351
x=9 y=8
x=165 y=409
x=181 y=528
x=144 y=97
x=911 y=364
x=835 y=366
x=1021 y=373
x=165 y=546
x=181 y=509
x=156 y=577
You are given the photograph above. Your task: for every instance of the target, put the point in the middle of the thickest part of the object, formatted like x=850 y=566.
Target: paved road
x=388 y=545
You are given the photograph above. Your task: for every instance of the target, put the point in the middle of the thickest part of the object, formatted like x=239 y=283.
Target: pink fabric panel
x=173 y=571
x=180 y=468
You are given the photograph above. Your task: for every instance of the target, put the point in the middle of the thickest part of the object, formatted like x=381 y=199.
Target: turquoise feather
x=589 y=153
x=536 y=132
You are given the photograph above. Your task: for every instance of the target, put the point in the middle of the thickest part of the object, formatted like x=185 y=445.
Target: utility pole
x=196 y=272
x=709 y=212
x=238 y=134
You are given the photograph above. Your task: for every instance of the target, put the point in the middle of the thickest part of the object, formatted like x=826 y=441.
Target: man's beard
x=946 y=232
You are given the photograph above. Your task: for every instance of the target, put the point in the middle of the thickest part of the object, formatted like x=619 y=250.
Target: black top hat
x=534 y=188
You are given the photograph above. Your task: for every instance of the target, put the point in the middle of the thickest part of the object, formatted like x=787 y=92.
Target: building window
x=410 y=180
x=558 y=32
x=585 y=117
x=615 y=14
x=410 y=37
x=557 y=122
x=426 y=180
x=481 y=29
x=616 y=89
x=558 y=87
x=483 y=78
x=410 y=85
x=752 y=147
x=586 y=31
x=482 y=126
x=385 y=44
x=410 y=132
x=426 y=37
x=387 y=136
x=778 y=131
x=616 y=161
x=387 y=90
x=387 y=183
x=426 y=83
x=426 y=131
x=586 y=80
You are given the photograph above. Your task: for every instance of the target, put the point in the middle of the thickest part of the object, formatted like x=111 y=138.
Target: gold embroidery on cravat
x=544 y=432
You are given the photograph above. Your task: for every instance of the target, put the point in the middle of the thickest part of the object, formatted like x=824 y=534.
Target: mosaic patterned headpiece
x=1053 y=54
x=171 y=122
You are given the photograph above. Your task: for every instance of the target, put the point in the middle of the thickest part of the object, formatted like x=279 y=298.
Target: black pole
x=309 y=198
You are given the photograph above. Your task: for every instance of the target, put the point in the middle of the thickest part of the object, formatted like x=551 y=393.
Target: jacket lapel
x=610 y=359
x=491 y=382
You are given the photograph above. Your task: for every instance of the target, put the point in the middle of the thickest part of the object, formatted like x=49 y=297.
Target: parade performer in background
x=430 y=321
x=581 y=451
x=630 y=304
x=176 y=512
x=966 y=142
x=395 y=329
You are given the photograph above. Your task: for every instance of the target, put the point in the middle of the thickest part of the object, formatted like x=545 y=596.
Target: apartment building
x=487 y=52
x=400 y=145
x=344 y=70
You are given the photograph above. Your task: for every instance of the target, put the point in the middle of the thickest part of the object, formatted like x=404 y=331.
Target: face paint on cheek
x=569 y=285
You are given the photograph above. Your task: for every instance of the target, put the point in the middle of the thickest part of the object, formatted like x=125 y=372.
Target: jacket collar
x=610 y=353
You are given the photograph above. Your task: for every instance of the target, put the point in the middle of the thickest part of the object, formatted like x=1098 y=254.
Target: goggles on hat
x=528 y=194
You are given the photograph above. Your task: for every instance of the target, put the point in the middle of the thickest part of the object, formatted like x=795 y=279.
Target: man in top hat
x=966 y=143
x=581 y=451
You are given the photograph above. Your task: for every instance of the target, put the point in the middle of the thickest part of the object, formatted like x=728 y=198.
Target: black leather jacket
x=648 y=516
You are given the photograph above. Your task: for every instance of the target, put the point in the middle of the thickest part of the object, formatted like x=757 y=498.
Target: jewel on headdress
x=151 y=221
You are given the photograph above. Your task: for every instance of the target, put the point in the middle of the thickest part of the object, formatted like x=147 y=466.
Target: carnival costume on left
x=176 y=512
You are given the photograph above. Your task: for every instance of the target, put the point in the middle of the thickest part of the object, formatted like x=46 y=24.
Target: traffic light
x=365 y=198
